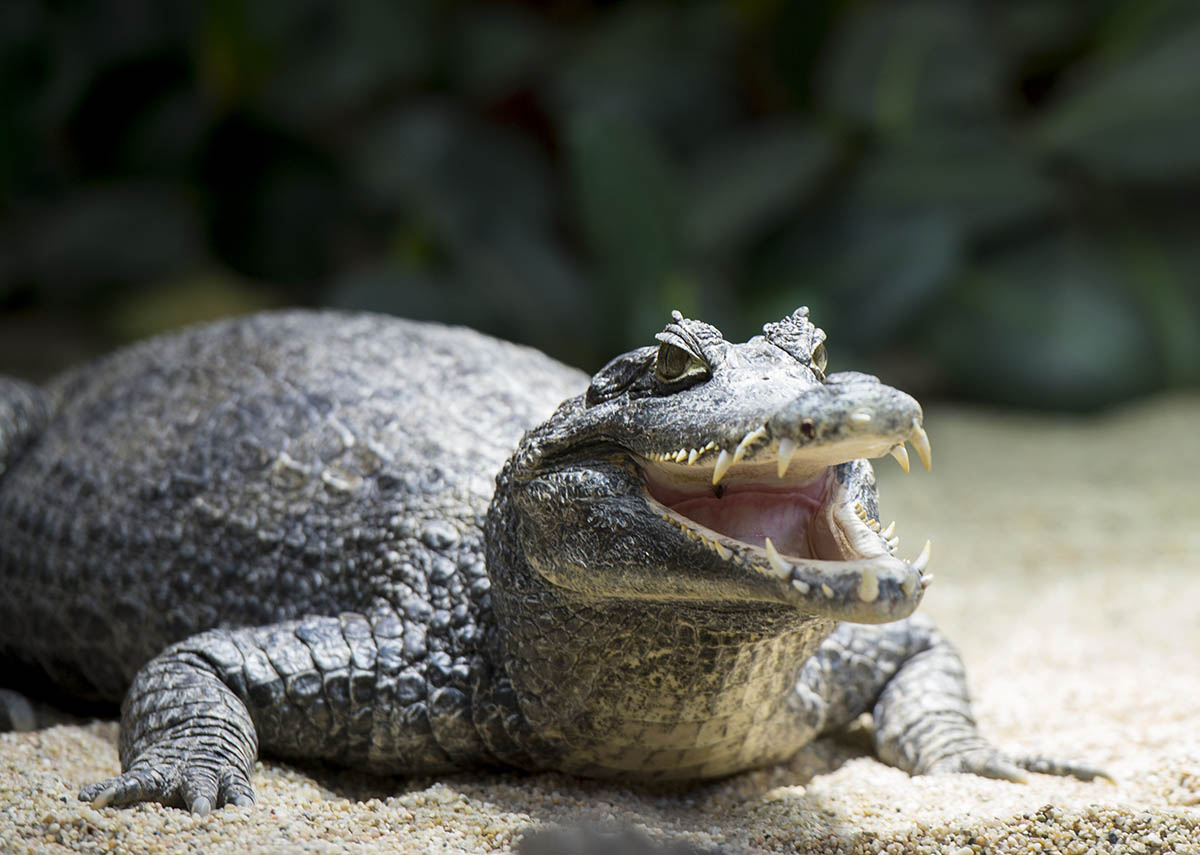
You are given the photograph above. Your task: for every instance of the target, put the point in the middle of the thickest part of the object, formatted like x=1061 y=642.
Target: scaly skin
x=298 y=532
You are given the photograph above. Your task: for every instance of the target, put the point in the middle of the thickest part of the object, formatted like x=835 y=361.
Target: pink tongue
x=753 y=516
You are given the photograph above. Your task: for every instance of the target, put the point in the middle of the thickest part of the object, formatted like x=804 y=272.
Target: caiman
x=411 y=548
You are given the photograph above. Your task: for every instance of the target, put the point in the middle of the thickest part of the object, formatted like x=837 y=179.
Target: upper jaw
x=849 y=417
x=793 y=461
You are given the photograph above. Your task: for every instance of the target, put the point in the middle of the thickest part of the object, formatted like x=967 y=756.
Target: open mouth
x=784 y=511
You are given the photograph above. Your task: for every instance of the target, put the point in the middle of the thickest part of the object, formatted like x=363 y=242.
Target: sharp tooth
x=800 y=586
x=692 y=455
x=748 y=440
x=890 y=530
x=787 y=447
x=873 y=525
x=780 y=566
x=901 y=454
x=926 y=580
x=920 y=441
x=681 y=455
x=722 y=550
x=724 y=461
x=922 y=561
x=893 y=543
x=868 y=588
x=827 y=591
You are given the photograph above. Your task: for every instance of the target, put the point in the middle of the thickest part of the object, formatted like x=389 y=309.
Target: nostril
x=808 y=429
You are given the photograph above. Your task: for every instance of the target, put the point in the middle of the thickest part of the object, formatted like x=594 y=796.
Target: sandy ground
x=1067 y=556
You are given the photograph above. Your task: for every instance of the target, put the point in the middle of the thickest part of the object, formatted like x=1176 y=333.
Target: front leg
x=912 y=681
x=367 y=693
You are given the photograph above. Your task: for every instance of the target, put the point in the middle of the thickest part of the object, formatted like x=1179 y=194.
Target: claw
x=104 y=797
x=201 y=806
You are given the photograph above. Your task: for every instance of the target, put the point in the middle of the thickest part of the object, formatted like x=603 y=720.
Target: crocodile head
x=699 y=469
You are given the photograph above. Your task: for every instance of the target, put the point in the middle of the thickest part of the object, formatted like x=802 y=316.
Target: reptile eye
x=675 y=364
x=819 y=358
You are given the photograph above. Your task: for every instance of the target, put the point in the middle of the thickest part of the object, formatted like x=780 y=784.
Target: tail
x=24 y=411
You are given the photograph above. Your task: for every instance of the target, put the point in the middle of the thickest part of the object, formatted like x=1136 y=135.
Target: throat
x=657 y=691
x=753 y=516
x=789 y=516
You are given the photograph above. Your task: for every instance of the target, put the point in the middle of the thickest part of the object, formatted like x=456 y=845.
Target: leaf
x=465 y=176
x=626 y=199
x=981 y=177
x=1046 y=326
x=896 y=65
x=323 y=60
x=410 y=293
x=515 y=286
x=895 y=271
x=495 y=47
x=870 y=277
x=1158 y=270
x=665 y=69
x=746 y=183
x=1137 y=119
x=104 y=236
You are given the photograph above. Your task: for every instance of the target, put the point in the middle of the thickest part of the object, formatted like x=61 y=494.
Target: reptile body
x=411 y=548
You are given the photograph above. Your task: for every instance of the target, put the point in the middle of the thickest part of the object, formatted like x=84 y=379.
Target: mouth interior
x=794 y=514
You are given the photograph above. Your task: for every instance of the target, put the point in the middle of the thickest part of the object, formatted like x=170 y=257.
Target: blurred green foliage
x=992 y=200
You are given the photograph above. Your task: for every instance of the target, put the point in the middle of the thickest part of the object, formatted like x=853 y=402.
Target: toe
x=100 y=794
x=1066 y=768
x=999 y=767
x=235 y=789
x=136 y=785
x=199 y=789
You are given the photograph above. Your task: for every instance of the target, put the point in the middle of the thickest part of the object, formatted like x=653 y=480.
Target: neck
x=657 y=690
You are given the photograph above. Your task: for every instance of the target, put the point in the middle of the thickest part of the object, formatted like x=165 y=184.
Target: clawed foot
x=988 y=762
x=197 y=786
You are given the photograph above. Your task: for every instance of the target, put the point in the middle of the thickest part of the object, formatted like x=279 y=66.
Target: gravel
x=1067 y=557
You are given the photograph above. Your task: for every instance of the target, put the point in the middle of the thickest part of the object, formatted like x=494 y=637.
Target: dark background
x=986 y=200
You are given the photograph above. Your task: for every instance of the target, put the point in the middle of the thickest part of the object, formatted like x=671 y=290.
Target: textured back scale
x=174 y=463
